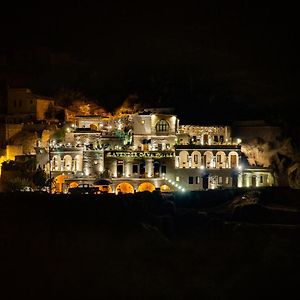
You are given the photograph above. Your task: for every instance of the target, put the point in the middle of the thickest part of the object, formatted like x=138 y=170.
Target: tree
x=39 y=178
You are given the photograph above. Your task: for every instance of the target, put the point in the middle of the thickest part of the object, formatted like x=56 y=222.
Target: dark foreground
x=144 y=247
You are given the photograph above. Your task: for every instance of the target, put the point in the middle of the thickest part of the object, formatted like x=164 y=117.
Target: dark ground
x=83 y=247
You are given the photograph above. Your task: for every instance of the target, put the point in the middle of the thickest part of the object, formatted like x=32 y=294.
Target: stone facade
x=149 y=150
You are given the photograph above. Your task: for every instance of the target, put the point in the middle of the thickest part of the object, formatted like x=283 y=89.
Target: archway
x=56 y=163
x=124 y=188
x=59 y=180
x=105 y=188
x=146 y=186
x=73 y=184
x=67 y=162
x=220 y=159
x=196 y=159
x=208 y=159
x=233 y=159
x=183 y=159
x=165 y=188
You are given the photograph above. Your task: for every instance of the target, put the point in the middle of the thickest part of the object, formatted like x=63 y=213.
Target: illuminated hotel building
x=149 y=150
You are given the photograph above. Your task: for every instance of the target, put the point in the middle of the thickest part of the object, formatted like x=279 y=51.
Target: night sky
x=219 y=58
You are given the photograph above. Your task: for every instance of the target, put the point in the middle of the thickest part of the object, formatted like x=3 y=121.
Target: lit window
x=162 y=126
x=177 y=178
x=227 y=180
x=220 y=180
x=196 y=158
x=197 y=179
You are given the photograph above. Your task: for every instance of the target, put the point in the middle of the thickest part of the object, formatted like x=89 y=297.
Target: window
x=164 y=169
x=219 y=158
x=196 y=159
x=227 y=180
x=177 y=178
x=216 y=138
x=261 y=179
x=191 y=180
x=220 y=180
x=197 y=179
x=162 y=126
x=222 y=139
x=135 y=169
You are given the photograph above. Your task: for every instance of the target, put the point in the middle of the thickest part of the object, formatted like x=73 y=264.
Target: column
x=114 y=168
x=149 y=167
x=128 y=169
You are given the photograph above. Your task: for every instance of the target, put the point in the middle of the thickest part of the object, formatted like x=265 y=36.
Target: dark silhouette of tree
x=39 y=177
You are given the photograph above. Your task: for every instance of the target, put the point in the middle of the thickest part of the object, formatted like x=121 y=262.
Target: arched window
x=67 y=163
x=183 y=159
x=56 y=163
x=162 y=126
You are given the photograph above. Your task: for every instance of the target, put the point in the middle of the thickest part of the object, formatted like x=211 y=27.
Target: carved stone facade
x=148 y=151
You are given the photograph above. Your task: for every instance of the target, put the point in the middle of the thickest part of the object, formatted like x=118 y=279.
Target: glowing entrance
x=165 y=188
x=57 y=186
x=124 y=188
x=73 y=184
x=104 y=188
x=146 y=186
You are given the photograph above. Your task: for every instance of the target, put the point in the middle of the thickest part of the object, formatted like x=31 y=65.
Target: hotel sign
x=140 y=154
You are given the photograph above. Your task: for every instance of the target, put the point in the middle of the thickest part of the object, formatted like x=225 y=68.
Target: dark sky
x=207 y=55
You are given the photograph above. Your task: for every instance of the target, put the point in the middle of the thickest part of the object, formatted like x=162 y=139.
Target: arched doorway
x=183 y=159
x=165 y=188
x=105 y=188
x=57 y=187
x=124 y=188
x=146 y=186
x=73 y=184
